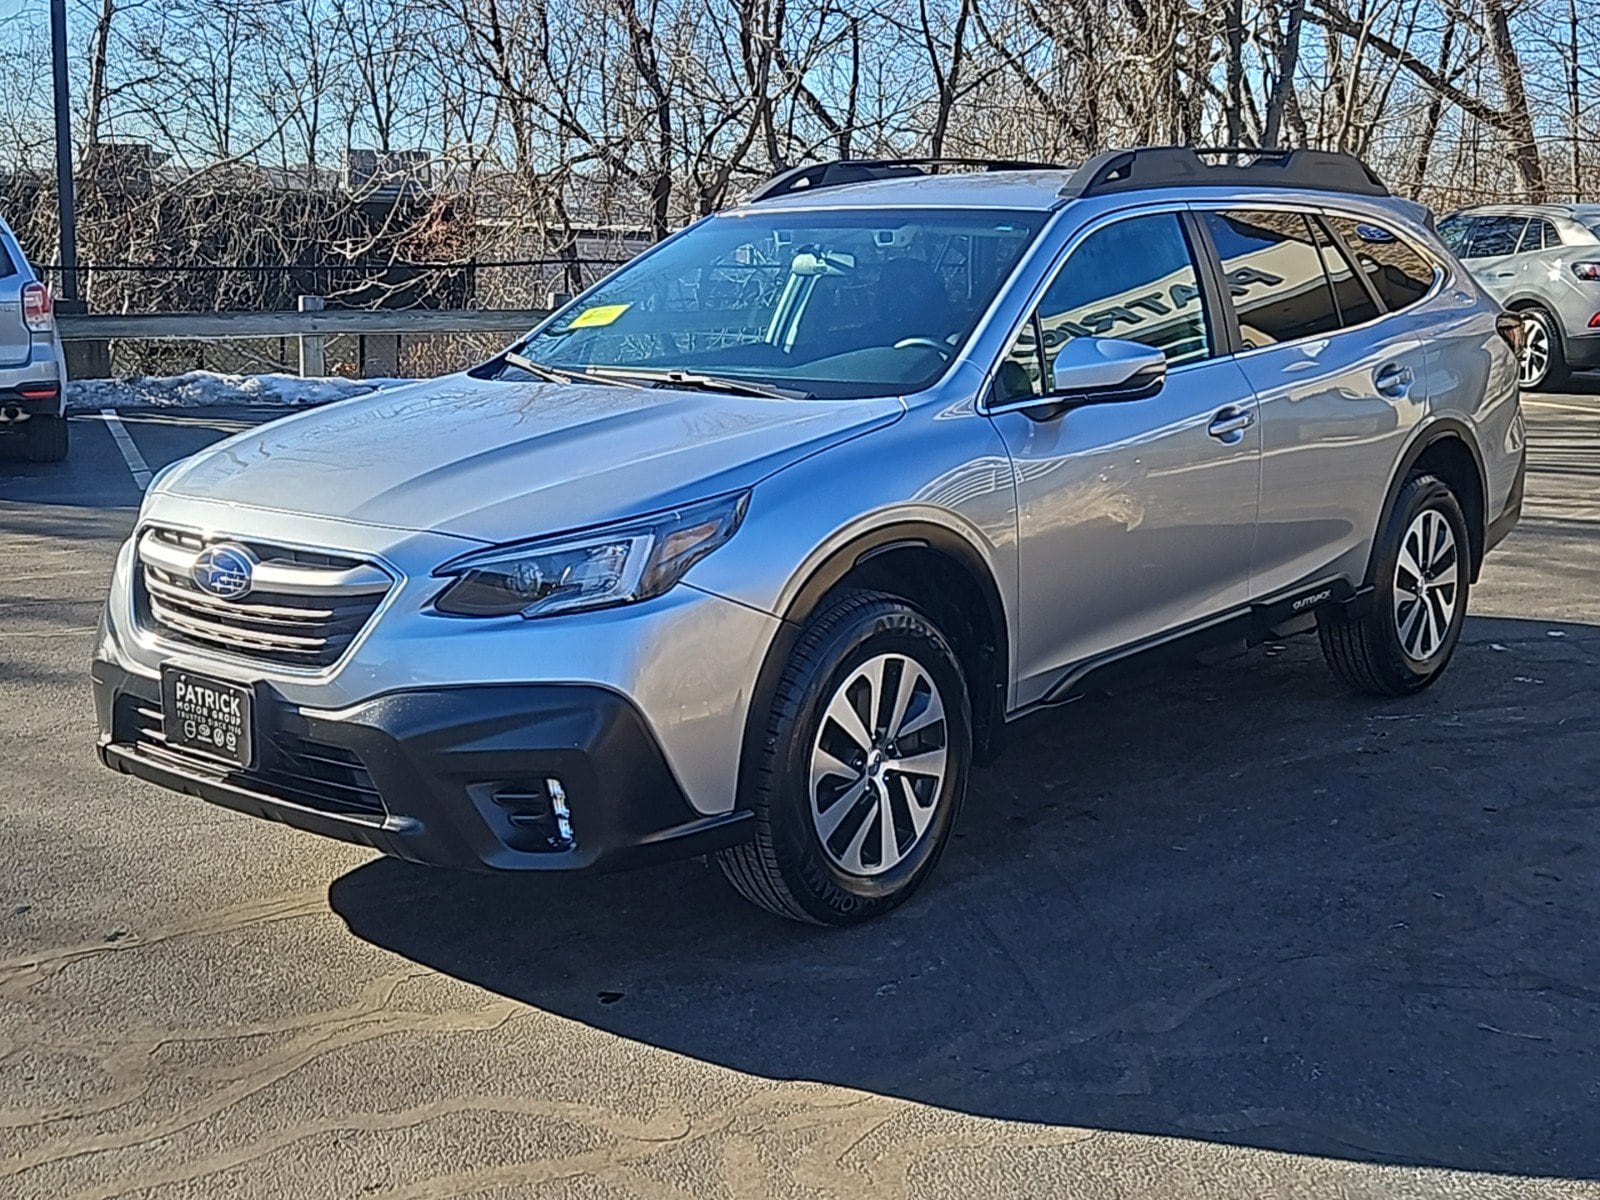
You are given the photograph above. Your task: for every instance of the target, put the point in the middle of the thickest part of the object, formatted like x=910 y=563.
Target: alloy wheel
x=1535 y=352
x=1427 y=585
x=878 y=764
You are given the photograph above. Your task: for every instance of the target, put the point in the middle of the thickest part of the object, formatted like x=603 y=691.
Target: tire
x=812 y=858
x=1544 y=360
x=1407 y=636
x=47 y=439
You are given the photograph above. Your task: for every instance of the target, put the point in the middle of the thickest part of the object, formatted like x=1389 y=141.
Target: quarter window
x=1540 y=235
x=1275 y=275
x=1395 y=268
x=1135 y=279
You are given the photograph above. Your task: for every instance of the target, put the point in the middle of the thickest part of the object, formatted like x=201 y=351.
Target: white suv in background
x=1543 y=262
x=32 y=375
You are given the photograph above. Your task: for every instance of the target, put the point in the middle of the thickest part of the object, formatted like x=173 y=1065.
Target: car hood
x=498 y=461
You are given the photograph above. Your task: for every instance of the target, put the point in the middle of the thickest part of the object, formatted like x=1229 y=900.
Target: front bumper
x=454 y=776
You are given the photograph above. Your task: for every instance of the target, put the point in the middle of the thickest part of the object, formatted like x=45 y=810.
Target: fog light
x=540 y=810
x=559 y=809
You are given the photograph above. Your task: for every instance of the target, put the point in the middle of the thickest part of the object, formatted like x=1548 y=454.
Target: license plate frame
x=210 y=717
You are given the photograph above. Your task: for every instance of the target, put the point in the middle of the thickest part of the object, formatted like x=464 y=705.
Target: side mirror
x=1093 y=370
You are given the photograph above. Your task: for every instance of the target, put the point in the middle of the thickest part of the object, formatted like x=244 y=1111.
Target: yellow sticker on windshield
x=601 y=314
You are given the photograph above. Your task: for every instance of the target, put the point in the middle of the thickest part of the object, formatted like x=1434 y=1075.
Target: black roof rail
x=815 y=176
x=1240 y=166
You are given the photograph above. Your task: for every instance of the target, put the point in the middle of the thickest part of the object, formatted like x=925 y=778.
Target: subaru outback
x=755 y=548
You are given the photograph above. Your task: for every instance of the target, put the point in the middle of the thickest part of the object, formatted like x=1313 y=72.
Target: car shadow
x=1242 y=906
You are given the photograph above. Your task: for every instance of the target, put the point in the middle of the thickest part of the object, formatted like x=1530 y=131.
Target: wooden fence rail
x=88 y=336
x=214 y=326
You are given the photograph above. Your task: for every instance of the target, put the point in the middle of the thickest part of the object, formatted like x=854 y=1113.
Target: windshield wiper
x=694 y=379
x=552 y=374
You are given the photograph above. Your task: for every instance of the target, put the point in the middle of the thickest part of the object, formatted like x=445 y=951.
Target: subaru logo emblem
x=224 y=571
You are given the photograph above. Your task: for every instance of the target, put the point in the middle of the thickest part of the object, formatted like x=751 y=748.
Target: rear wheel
x=47 y=438
x=862 y=768
x=1544 y=363
x=1405 y=639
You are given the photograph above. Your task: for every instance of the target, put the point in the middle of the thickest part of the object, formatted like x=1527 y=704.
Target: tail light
x=1587 y=271
x=37 y=308
x=1509 y=326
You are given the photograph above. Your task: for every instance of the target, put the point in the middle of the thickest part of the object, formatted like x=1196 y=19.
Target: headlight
x=619 y=564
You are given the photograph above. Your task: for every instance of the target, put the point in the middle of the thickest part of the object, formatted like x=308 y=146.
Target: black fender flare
x=1437 y=430
x=824 y=576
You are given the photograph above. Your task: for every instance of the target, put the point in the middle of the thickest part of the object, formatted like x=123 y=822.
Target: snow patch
x=198 y=389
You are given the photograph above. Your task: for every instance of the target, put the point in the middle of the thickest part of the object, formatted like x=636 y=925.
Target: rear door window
x=1274 y=271
x=1356 y=303
x=1494 y=237
x=1397 y=270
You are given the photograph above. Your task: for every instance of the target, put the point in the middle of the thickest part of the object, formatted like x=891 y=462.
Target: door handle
x=1394 y=381
x=1230 y=423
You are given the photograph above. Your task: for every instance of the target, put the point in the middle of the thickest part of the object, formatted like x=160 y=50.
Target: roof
x=1040 y=189
x=1578 y=212
x=1001 y=183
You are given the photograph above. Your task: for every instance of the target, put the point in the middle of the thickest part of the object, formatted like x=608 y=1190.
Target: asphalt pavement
x=1241 y=934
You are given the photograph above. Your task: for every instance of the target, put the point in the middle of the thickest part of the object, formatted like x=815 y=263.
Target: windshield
x=840 y=304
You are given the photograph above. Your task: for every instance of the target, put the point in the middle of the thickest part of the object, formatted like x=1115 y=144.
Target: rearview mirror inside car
x=814 y=262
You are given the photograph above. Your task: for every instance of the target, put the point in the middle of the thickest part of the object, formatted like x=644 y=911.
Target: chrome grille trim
x=272 y=575
x=304 y=609
x=258 y=612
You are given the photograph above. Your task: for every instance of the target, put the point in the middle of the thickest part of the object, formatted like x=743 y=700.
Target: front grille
x=304 y=608
x=314 y=774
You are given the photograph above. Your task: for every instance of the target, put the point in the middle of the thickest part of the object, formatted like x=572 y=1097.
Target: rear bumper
x=1583 y=351
x=450 y=776
x=1499 y=528
x=19 y=405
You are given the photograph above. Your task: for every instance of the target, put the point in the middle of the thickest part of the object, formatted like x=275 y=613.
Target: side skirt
x=1200 y=644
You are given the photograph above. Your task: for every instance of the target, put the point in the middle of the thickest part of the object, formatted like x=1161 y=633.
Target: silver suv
x=1543 y=263
x=32 y=375
x=758 y=546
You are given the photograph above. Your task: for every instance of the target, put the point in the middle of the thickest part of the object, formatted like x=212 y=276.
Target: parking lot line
x=1587 y=409
x=130 y=453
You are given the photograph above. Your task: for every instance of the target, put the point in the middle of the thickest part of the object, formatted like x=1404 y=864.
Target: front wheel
x=1422 y=575
x=862 y=768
